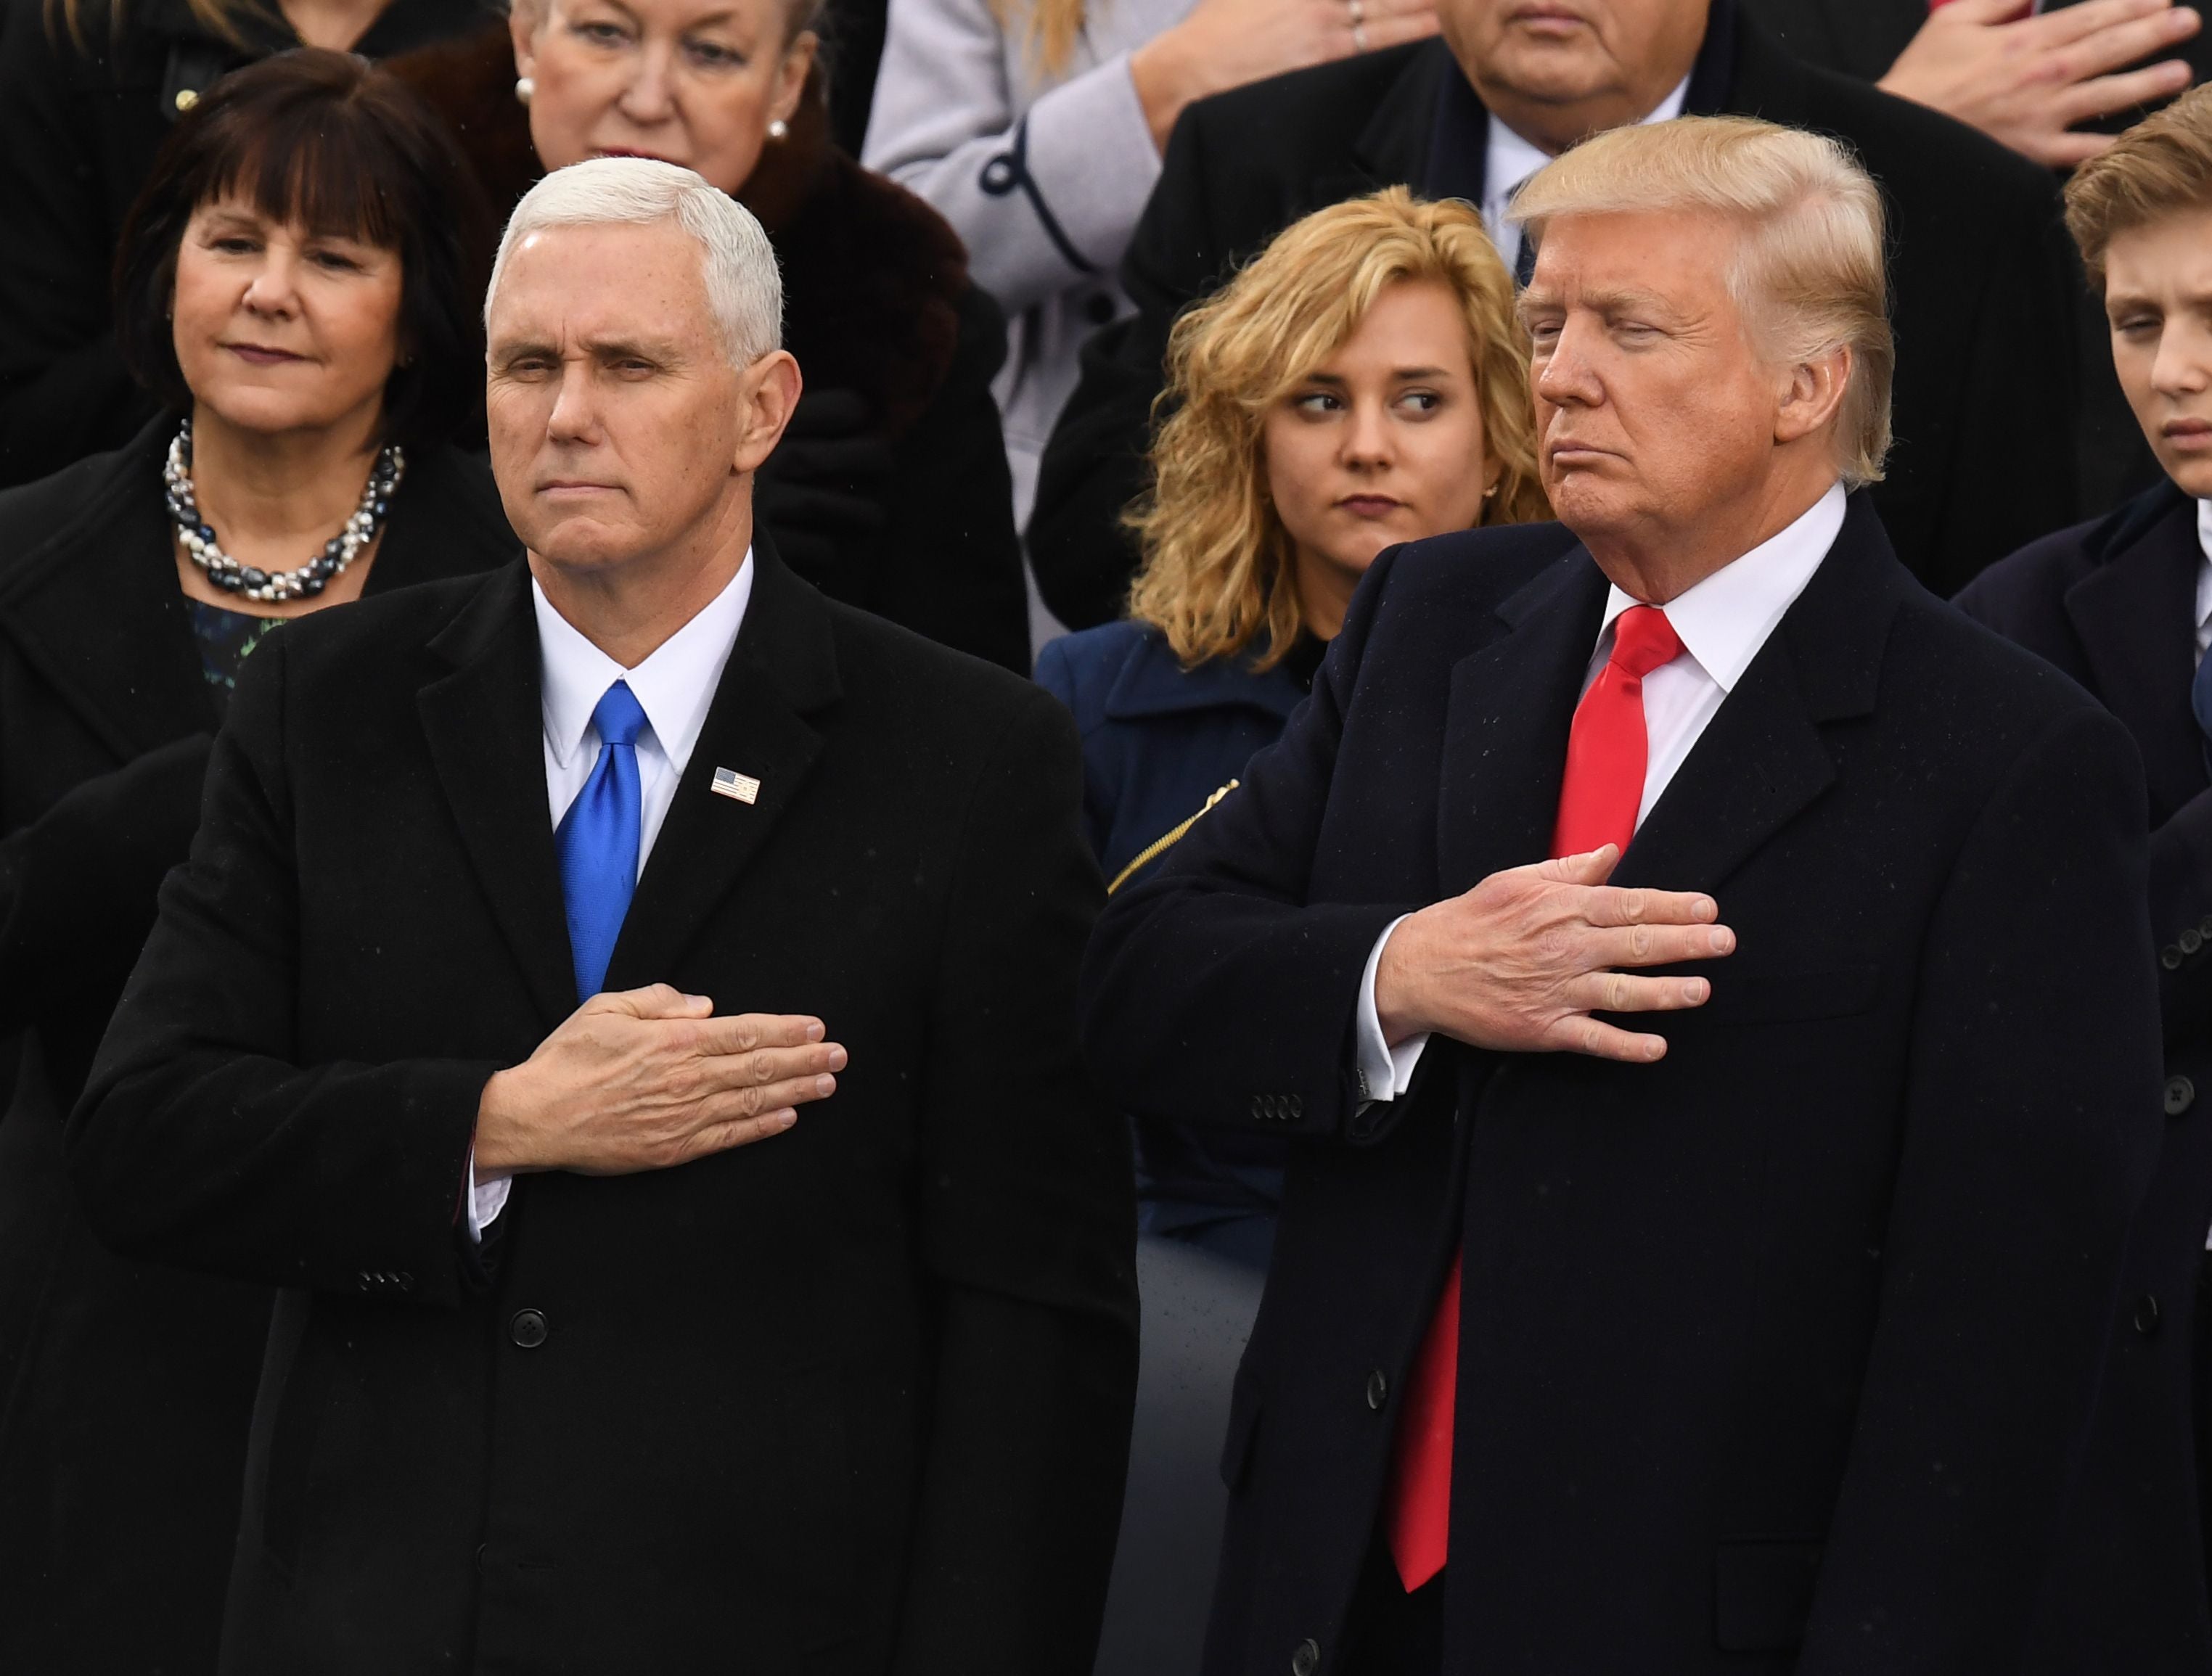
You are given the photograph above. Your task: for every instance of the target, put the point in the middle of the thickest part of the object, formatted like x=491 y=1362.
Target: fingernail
x=825 y=1084
x=1723 y=940
x=1696 y=989
x=814 y=1030
x=836 y=1058
x=783 y=1117
x=1654 y=1049
x=1708 y=908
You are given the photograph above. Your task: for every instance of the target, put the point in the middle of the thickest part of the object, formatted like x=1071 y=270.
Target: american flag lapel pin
x=729 y=783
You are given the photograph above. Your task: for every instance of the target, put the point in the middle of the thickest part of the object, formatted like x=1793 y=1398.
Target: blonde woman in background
x=1364 y=382
x=1036 y=127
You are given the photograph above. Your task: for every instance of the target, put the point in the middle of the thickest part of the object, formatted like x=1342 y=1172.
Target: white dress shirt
x=2204 y=579
x=1509 y=160
x=674 y=686
x=1722 y=622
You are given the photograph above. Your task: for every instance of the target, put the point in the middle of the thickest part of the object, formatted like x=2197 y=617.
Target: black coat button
x=2180 y=1095
x=1307 y=1659
x=2170 y=959
x=2191 y=940
x=2205 y=925
x=1098 y=308
x=2146 y=1314
x=1297 y=1107
x=527 y=1329
x=1378 y=1389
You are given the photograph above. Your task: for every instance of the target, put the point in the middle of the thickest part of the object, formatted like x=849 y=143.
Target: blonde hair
x=1808 y=276
x=1218 y=564
x=1049 y=32
x=2161 y=167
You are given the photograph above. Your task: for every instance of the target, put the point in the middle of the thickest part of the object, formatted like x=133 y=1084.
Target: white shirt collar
x=674 y=686
x=2204 y=570
x=1725 y=619
x=1507 y=159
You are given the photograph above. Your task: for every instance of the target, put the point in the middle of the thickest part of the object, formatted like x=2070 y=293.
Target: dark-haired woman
x=292 y=291
x=890 y=490
x=89 y=89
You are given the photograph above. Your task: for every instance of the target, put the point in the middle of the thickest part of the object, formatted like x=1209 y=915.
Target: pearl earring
x=524 y=87
x=779 y=130
x=1492 y=490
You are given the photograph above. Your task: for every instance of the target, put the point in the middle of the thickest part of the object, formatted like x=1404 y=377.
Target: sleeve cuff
x=1091 y=154
x=486 y=1199
x=1385 y=1073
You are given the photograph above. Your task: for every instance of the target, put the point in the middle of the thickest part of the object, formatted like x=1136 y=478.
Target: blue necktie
x=598 y=840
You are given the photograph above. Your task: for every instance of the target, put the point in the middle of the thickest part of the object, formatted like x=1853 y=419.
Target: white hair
x=744 y=286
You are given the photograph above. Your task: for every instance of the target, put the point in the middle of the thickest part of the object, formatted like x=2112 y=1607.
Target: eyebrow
x=668 y=353
x=1338 y=381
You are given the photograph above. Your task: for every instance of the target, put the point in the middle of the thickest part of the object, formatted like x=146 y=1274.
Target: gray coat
x=1043 y=176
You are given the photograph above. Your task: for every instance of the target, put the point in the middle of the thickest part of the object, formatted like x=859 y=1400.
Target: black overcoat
x=2113 y=602
x=124 y=1386
x=1774 y=1355
x=1981 y=283
x=855 y=1400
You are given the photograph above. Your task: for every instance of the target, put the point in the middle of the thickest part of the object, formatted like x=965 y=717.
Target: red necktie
x=1608 y=750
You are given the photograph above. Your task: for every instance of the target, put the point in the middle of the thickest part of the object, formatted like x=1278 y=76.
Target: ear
x=766 y=393
x=1811 y=396
x=524 y=23
x=791 y=75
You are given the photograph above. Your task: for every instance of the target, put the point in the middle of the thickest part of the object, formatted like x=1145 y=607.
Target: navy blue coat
x=1775 y=1356
x=1157 y=741
x=2114 y=603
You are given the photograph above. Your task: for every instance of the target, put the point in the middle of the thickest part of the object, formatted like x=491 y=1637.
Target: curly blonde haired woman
x=1363 y=382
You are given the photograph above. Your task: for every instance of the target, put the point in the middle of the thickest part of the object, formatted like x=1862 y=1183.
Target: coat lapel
x=485 y=727
x=2136 y=613
x=783 y=669
x=1506 y=741
x=95 y=609
x=1761 y=760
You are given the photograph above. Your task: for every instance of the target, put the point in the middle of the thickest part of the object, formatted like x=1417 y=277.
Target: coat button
x=1259 y=1107
x=2191 y=940
x=2180 y=1095
x=2205 y=925
x=1098 y=308
x=1297 y=1107
x=1378 y=1389
x=1307 y=1659
x=2146 y=1314
x=527 y=1329
x=2170 y=959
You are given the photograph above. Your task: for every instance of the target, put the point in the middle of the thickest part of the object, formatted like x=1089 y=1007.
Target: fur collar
x=873 y=276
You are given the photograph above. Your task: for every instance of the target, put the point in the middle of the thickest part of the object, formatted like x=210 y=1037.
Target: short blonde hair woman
x=1233 y=555
x=1363 y=382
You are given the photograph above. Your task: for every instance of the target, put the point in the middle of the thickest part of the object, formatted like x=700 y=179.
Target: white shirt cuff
x=1384 y=1072
x=486 y=1199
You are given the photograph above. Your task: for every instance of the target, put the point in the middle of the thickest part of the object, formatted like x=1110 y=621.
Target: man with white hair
x=770 y=1310
x=1763 y=1343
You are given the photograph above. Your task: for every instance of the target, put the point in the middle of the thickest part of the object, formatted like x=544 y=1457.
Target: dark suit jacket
x=1774 y=1354
x=2114 y=603
x=855 y=1401
x=124 y=1386
x=1983 y=460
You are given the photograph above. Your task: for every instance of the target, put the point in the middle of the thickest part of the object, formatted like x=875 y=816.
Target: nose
x=1368 y=444
x=2183 y=366
x=274 y=290
x=649 y=97
x=574 y=417
x=1566 y=374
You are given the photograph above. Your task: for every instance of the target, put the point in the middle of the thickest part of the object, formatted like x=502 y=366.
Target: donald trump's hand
x=1519 y=962
x=647 y=1079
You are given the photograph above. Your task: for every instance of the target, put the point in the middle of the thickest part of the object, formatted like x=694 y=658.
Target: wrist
x=1395 y=1010
x=500 y=1136
x=1161 y=71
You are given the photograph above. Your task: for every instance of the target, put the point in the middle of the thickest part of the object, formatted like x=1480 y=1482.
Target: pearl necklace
x=273 y=586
